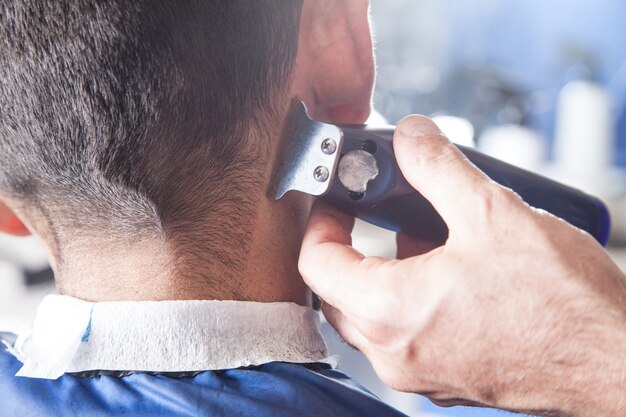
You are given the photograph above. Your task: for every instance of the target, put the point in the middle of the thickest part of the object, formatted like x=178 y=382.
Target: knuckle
x=500 y=197
x=396 y=383
x=495 y=200
x=508 y=197
x=549 y=231
x=377 y=324
x=402 y=381
x=376 y=334
x=371 y=264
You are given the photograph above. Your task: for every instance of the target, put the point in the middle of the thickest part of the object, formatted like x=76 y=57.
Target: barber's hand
x=518 y=310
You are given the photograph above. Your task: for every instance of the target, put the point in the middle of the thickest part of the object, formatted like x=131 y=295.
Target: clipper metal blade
x=307 y=156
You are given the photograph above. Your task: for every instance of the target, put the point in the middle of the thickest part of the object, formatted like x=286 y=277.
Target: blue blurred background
x=539 y=83
x=496 y=62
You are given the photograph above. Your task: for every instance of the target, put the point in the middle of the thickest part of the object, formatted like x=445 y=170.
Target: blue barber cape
x=275 y=389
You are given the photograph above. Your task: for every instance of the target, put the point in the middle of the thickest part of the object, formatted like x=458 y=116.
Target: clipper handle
x=390 y=202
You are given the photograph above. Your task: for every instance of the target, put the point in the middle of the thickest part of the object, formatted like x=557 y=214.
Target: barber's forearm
x=596 y=383
x=588 y=383
x=606 y=378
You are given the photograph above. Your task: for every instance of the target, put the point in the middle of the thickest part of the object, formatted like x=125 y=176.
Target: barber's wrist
x=609 y=393
x=585 y=369
x=598 y=389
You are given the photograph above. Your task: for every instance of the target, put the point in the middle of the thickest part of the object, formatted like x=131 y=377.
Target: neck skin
x=141 y=270
x=102 y=267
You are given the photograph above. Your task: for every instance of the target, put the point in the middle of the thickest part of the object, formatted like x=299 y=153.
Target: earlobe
x=10 y=223
x=334 y=71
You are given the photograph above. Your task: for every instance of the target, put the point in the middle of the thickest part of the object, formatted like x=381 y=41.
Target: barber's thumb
x=436 y=168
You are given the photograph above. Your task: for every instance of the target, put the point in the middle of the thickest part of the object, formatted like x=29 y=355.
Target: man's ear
x=334 y=71
x=10 y=223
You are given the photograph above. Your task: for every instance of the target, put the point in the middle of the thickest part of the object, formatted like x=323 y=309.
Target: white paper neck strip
x=71 y=335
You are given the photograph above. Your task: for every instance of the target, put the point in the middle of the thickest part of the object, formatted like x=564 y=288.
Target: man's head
x=156 y=120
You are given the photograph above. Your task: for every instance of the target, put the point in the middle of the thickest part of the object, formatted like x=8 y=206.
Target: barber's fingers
x=439 y=170
x=329 y=265
x=346 y=329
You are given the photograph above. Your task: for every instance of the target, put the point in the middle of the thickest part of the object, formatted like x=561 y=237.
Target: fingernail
x=416 y=126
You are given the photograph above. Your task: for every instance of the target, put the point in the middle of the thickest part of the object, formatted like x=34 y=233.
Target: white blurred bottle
x=516 y=145
x=584 y=137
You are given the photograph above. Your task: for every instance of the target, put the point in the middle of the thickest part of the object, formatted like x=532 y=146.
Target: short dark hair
x=109 y=108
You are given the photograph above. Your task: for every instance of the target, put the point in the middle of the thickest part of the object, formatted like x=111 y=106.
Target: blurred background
x=539 y=84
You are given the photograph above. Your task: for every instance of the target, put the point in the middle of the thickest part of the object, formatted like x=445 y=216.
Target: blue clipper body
x=353 y=168
x=390 y=202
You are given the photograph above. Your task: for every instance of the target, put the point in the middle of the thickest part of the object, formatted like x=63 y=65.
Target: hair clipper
x=353 y=168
